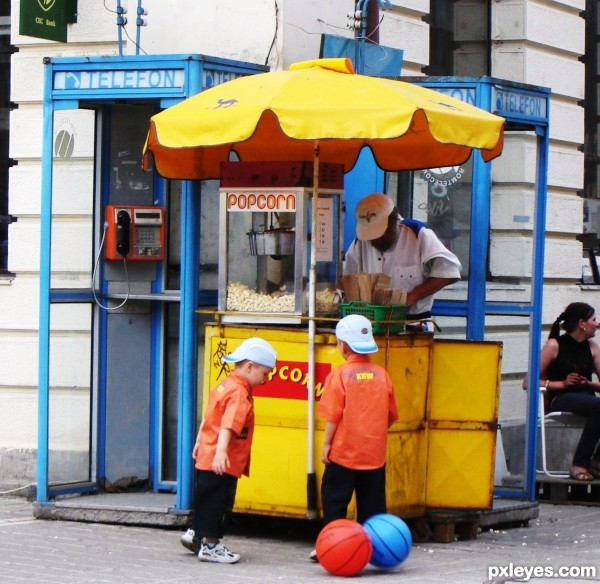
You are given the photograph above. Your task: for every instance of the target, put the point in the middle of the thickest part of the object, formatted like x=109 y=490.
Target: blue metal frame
x=69 y=82
x=188 y=331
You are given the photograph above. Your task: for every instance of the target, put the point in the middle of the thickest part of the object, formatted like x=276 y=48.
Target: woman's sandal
x=594 y=472
x=581 y=475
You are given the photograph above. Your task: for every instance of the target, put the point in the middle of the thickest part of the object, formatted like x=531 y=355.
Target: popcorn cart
x=267 y=237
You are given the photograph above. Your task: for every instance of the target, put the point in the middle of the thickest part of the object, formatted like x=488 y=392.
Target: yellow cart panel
x=462 y=424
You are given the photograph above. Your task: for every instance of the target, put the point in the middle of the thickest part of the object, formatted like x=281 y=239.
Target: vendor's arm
x=430 y=286
x=330 y=429
x=221 y=460
x=440 y=272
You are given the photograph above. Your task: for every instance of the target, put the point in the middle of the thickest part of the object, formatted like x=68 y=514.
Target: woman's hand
x=575 y=380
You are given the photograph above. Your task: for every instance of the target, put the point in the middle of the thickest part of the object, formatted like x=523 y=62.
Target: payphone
x=135 y=233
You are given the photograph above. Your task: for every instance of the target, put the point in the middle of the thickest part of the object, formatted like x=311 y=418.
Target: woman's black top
x=573 y=357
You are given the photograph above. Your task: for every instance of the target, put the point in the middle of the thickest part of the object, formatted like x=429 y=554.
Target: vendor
x=406 y=250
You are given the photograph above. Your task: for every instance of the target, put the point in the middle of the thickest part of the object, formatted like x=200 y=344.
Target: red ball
x=343 y=547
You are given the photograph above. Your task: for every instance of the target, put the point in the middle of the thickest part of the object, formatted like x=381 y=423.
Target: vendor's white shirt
x=417 y=255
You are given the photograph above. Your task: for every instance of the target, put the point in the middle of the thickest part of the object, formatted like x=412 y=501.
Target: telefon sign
x=47 y=19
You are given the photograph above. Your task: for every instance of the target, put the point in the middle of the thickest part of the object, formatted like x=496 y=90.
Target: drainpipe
x=372 y=28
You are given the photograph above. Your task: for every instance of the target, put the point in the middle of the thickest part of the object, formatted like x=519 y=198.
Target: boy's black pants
x=213 y=505
x=338 y=484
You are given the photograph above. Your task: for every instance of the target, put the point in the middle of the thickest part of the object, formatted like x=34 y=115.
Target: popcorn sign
x=255 y=200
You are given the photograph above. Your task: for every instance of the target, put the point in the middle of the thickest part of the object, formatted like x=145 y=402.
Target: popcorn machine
x=265 y=219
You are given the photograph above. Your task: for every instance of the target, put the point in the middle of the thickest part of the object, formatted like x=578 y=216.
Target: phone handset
x=123 y=235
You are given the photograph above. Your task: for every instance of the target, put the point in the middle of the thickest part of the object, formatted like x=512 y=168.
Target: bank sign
x=47 y=19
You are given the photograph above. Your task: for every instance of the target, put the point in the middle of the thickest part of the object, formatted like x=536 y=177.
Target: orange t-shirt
x=231 y=406
x=359 y=397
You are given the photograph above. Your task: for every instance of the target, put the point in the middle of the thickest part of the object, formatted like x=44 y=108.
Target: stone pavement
x=36 y=551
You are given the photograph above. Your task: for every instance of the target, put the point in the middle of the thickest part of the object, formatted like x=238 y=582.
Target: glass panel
x=510 y=268
x=128 y=129
x=261 y=259
x=72 y=199
x=441 y=198
x=168 y=447
x=70 y=405
x=209 y=236
x=268 y=252
x=173 y=235
x=513 y=332
x=510 y=263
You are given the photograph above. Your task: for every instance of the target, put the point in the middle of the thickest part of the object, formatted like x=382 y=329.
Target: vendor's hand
x=411 y=298
x=575 y=380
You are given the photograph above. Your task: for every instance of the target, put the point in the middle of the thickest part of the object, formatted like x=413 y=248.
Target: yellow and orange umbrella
x=278 y=116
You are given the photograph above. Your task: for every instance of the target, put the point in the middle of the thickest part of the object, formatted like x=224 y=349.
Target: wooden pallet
x=562 y=491
x=446 y=525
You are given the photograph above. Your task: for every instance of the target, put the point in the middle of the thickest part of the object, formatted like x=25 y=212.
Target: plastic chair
x=558 y=418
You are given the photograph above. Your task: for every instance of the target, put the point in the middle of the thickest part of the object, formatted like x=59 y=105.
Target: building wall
x=537 y=43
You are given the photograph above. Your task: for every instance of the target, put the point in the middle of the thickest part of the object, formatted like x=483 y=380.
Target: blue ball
x=391 y=540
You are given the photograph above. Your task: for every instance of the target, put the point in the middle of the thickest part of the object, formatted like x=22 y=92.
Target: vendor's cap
x=256 y=350
x=356 y=330
x=372 y=214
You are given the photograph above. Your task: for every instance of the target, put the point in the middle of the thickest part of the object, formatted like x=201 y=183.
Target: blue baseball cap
x=356 y=330
x=256 y=350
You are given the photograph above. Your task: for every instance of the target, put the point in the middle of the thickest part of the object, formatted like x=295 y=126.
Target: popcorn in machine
x=265 y=219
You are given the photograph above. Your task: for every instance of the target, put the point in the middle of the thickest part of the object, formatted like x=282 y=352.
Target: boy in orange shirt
x=359 y=406
x=222 y=449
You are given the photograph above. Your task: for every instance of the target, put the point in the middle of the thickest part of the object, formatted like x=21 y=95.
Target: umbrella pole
x=311 y=479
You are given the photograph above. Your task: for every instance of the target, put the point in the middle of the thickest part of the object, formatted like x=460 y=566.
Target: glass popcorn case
x=265 y=236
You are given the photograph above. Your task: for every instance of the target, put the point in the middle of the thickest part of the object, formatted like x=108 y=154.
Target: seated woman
x=567 y=363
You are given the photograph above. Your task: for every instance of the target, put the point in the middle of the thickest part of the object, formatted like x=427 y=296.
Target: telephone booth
x=115 y=403
x=505 y=268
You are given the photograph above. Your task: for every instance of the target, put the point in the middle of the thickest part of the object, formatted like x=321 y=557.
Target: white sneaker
x=313 y=556
x=188 y=540
x=219 y=554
